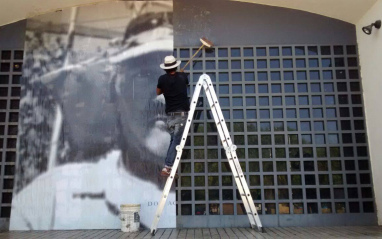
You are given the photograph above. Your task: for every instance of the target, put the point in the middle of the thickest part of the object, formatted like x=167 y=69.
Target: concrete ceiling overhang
x=346 y=10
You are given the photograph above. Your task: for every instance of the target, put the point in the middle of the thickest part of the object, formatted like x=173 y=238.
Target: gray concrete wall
x=233 y=23
x=237 y=23
x=12 y=35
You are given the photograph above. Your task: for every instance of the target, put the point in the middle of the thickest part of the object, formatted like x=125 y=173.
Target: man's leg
x=176 y=131
x=168 y=161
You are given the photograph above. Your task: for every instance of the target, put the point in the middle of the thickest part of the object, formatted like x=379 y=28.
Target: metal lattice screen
x=11 y=62
x=296 y=114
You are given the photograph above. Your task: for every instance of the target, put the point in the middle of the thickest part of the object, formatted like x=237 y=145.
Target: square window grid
x=296 y=115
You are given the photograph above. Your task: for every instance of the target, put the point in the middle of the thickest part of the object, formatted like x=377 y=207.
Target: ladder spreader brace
x=230 y=149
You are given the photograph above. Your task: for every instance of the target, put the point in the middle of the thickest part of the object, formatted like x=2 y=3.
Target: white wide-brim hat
x=170 y=62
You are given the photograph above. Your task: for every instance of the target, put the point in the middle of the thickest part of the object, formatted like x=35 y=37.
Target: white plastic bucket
x=129 y=216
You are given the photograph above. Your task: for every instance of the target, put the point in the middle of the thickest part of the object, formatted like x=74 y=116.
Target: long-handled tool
x=205 y=43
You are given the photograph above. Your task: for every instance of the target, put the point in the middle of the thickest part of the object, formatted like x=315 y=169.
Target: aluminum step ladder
x=230 y=149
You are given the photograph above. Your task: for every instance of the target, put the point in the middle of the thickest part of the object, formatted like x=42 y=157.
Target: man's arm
x=159 y=91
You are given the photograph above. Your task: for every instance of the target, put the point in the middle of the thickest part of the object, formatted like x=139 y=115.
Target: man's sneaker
x=165 y=172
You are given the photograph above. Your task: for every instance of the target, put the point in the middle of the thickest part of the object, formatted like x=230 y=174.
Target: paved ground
x=286 y=232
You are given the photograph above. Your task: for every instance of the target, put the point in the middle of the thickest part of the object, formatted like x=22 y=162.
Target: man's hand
x=159 y=91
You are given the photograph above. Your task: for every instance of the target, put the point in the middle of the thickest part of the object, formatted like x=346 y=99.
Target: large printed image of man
x=92 y=131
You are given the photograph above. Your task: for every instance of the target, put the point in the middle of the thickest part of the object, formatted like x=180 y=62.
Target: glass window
x=278 y=126
x=222 y=52
x=290 y=100
x=261 y=51
x=275 y=76
x=313 y=62
x=316 y=100
x=275 y=63
x=264 y=101
x=316 y=87
x=306 y=139
x=237 y=101
x=224 y=101
x=252 y=140
x=248 y=51
x=265 y=126
x=210 y=65
x=264 y=114
x=251 y=114
x=274 y=51
x=304 y=113
x=331 y=113
x=320 y=139
x=249 y=64
x=279 y=139
x=326 y=62
x=292 y=126
x=287 y=51
x=249 y=76
x=289 y=88
x=261 y=64
x=236 y=76
x=330 y=100
x=237 y=89
x=291 y=113
x=250 y=101
x=305 y=126
x=302 y=88
x=325 y=50
x=312 y=50
x=288 y=75
x=262 y=76
x=300 y=63
x=222 y=77
x=249 y=89
x=235 y=52
x=299 y=50
x=276 y=88
x=277 y=100
x=238 y=114
x=318 y=113
x=288 y=63
x=301 y=75
x=295 y=166
x=303 y=100
x=277 y=113
x=221 y=64
x=328 y=75
x=223 y=89
x=263 y=88
x=294 y=153
x=328 y=87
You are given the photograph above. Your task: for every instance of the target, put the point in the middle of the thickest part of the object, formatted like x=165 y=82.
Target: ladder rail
x=230 y=149
x=231 y=154
x=179 y=149
x=236 y=169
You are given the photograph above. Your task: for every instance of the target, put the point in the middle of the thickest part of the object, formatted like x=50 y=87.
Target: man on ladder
x=173 y=85
x=179 y=123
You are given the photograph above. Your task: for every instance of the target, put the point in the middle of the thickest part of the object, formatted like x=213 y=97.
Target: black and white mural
x=92 y=133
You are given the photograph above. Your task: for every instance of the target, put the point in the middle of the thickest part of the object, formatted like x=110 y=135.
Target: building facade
x=293 y=95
